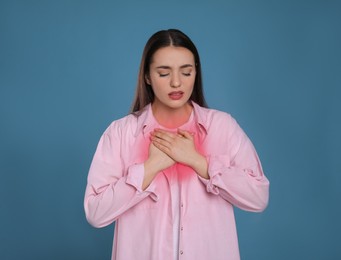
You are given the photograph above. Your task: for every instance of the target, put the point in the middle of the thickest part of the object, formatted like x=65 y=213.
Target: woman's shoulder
x=126 y=123
x=129 y=124
x=214 y=116
x=219 y=123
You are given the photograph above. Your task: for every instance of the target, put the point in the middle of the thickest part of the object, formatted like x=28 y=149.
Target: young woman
x=169 y=173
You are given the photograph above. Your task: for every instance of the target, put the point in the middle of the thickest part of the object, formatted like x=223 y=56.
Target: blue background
x=69 y=68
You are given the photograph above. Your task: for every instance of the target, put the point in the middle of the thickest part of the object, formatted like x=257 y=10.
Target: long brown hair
x=172 y=37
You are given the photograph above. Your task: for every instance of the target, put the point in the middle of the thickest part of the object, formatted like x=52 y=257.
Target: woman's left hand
x=181 y=148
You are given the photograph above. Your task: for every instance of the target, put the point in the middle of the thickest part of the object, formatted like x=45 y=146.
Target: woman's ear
x=147 y=79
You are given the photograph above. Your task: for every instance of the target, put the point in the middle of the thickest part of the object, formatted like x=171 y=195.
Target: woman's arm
x=232 y=170
x=110 y=190
x=235 y=170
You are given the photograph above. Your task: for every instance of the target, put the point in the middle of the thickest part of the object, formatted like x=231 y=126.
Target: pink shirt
x=144 y=219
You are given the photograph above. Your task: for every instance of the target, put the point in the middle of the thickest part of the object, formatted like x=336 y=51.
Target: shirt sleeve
x=236 y=173
x=110 y=191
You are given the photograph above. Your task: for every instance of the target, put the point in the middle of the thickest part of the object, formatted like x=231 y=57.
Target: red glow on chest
x=140 y=153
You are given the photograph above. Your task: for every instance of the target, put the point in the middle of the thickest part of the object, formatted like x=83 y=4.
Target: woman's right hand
x=156 y=162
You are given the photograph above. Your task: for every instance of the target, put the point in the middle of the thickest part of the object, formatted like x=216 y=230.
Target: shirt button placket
x=181 y=227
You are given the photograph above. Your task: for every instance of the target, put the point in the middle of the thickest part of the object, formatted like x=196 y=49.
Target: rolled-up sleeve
x=111 y=189
x=236 y=173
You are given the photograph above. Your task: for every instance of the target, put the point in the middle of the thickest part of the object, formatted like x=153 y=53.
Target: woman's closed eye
x=166 y=73
x=187 y=72
x=163 y=74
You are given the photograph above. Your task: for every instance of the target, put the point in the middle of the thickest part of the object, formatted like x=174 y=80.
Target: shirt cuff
x=135 y=178
x=215 y=169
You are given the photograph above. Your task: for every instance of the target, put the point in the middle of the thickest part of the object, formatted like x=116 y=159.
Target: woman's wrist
x=200 y=166
x=149 y=173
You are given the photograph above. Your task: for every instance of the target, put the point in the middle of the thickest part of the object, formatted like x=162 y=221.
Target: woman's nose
x=175 y=80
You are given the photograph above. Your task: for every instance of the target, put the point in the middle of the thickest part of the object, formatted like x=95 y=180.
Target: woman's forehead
x=172 y=56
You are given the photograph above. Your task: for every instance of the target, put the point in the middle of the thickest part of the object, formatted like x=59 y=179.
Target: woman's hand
x=181 y=148
x=156 y=162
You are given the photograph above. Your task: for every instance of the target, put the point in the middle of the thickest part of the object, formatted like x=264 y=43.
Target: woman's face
x=172 y=76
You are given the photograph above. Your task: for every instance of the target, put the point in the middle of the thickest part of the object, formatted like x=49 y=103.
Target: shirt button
x=181 y=252
x=182 y=228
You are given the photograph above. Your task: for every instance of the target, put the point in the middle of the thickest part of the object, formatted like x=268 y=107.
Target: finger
x=161 y=140
x=161 y=145
x=162 y=134
x=180 y=135
x=185 y=134
x=159 y=130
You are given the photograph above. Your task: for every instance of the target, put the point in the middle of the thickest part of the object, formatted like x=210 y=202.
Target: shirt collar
x=146 y=121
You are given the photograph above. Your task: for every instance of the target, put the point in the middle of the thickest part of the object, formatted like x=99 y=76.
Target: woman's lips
x=176 y=95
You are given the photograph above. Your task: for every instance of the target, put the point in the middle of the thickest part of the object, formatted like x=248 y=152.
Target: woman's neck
x=172 y=117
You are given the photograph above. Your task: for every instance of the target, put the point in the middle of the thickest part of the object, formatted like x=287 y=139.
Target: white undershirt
x=175 y=197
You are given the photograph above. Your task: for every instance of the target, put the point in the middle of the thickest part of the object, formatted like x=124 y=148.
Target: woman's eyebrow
x=186 y=66
x=163 y=67
x=181 y=67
